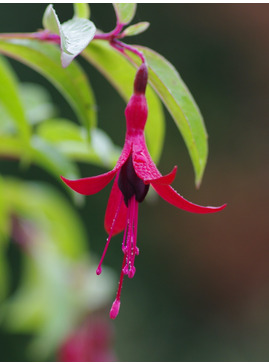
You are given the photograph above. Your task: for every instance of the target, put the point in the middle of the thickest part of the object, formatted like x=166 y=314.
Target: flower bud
x=141 y=79
x=136 y=111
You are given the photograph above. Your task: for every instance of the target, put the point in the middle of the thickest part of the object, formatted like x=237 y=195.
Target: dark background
x=201 y=291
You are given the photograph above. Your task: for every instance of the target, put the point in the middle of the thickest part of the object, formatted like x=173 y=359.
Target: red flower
x=134 y=172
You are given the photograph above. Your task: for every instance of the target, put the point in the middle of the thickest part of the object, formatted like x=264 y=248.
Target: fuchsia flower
x=134 y=172
x=91 y=342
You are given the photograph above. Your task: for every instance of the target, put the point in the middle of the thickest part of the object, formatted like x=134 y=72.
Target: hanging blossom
x=90 y=342
x=134 y=173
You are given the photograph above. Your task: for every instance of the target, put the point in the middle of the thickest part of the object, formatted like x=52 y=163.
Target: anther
x=131 y=272
x=125 y=270
x=115 y=309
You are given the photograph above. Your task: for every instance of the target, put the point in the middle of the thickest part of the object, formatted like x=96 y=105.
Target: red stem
x=109 y=36
x=127 y=47
x=112 y=37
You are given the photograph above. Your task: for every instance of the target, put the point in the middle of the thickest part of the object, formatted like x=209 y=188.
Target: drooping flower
x=91 y=342
x=135 y=172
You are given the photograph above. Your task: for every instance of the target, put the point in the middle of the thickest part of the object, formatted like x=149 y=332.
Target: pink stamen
x=136 y=226
x=129 y=237
x=131 y=272
x=99 y=268
x=134 y=249
x=125 y=234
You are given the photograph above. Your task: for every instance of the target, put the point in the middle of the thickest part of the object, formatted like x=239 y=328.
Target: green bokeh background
x=201 y=291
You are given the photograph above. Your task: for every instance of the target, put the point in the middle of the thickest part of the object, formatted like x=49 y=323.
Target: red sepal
x=90 y=185
x=174 y=198
x=167 y=179
x=115 y=206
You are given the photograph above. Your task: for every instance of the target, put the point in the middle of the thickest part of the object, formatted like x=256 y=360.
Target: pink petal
x=115 y=206
x=90 y=185
x=171 y=196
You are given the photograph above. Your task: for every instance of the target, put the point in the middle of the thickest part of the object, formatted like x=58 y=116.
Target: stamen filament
x=132 y=242
x=129 y=240
x=135 y=231
x=99 y=268
x=125 y=234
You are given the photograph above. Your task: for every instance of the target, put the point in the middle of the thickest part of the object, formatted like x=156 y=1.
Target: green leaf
x=51 y=214
x=120 y=73
x=136 y=29
x=71 y=82
x=10 y=146
x=4 y=238
x=47 y=156
x=4 y=220
x=37 y=103
x=53 y=296
x=177 y=98
x=82 y=10
x=60 y=130
x=4 y=275
x=41 y=153
x=125 y=12
x=59 y=284
x=71 y=140
x=58 y=143
x=10 y=100
x=75 y=34
x=7 y=124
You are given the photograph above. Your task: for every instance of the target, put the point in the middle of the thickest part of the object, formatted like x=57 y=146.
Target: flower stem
x=132 y=49
x=109 y=36
x=44 y=35
x=112 y=37
x=122 y=47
